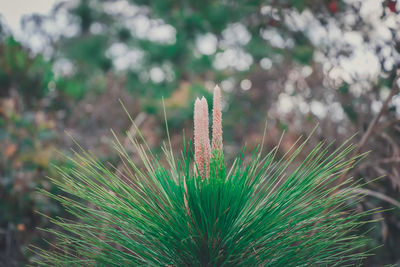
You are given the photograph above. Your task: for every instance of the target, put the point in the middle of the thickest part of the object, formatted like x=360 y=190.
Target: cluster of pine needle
x=201 y=213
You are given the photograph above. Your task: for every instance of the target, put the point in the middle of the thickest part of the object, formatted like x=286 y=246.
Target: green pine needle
x=254 y=214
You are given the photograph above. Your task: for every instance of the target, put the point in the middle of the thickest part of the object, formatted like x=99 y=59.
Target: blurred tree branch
x=372 y=126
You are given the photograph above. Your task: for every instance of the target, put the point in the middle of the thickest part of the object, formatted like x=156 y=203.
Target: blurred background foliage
x=292 y=63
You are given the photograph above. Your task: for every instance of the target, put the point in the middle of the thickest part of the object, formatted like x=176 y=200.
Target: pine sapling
x=203 y=213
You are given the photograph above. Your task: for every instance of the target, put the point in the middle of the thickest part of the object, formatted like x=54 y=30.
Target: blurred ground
x=295 y=64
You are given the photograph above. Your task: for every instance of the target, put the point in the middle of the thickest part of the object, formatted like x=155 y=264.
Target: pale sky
x=13 y=10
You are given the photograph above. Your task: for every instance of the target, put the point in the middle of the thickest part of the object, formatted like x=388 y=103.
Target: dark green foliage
x=29 y=75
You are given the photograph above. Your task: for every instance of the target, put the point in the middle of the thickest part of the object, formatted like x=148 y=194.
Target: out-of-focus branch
x=140 y=118
x=374 y=122
x=376 y=195
x=386 y=125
